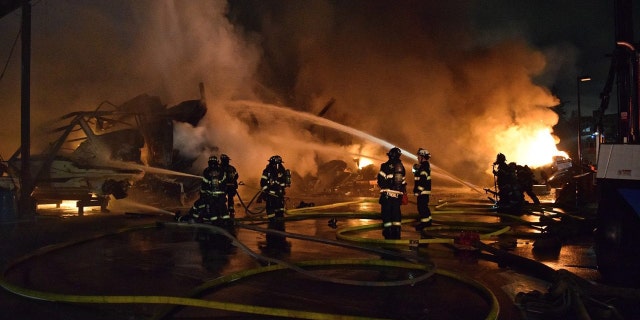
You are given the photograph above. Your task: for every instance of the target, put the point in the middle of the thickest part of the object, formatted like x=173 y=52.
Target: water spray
x=144 y=168
x=137 y=205
x=340 y=127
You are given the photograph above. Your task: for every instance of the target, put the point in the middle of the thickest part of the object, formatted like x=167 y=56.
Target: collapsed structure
x=113 y=153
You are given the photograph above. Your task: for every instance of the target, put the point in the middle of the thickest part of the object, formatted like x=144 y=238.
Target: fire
x=63 y=205
x=363 y=162
x=534 y=147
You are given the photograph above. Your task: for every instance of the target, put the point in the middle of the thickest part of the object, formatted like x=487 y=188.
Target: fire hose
x=342 y=234
x=257 y=310
x=247 y=206
x=171 y=300
x=568 y=295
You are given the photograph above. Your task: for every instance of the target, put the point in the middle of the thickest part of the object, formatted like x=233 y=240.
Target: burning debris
x=115 y=153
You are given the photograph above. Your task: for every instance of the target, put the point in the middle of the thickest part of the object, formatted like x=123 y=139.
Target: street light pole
x=633 y=113
x=580 y=80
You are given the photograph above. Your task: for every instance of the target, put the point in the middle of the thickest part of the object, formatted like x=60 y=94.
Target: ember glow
x=534 y=147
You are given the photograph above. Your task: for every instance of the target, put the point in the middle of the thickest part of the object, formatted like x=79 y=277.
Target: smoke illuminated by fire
x=390 y=67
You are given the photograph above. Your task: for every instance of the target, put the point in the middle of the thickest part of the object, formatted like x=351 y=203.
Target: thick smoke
x=408 y=72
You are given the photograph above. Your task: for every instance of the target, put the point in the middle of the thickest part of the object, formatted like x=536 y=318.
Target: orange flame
x=363 y=162
x=534 y=147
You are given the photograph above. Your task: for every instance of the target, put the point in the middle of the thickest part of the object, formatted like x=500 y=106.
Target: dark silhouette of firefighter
x=232 y=183
x=422 y=188
x=275 y=178
x=501 y=170
x=510 y=197
x=526 y=180
x=212 y=205
x=391 y=180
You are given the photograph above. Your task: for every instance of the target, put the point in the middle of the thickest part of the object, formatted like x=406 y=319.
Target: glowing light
x=63 y=205
x=69 y=204
x=534 y=147
x=363 y=162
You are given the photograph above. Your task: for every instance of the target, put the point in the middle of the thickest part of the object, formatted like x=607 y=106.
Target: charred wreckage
x=116 y=153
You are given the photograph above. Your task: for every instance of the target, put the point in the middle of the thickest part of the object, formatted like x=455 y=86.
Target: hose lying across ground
x=577 y=296
x=428 y=270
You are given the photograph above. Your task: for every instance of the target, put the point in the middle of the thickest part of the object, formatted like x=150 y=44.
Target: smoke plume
x=412 y=73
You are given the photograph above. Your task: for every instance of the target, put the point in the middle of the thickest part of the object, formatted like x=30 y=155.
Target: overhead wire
x=13 y=46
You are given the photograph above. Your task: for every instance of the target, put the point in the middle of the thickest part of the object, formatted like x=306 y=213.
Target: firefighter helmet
x=276 y=159
x=424 y=153
x=224 y=158
x=394 y=153
x=501 y=158
x=213 y=160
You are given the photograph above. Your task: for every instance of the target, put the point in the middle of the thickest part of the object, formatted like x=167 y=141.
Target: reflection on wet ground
x=330 y=261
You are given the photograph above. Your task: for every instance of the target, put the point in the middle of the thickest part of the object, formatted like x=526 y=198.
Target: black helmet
x=394 y=153
x=224 y=158
x=424 y=153
x=276 y=159
x=213 y=160
x=501 y=158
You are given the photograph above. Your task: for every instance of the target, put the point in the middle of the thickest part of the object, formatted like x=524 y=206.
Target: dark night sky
x=577 y=36
x=415 y=73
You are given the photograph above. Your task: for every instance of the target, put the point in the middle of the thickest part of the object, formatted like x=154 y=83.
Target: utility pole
x=26 y=206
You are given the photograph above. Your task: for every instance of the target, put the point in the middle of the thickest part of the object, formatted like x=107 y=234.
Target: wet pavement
x=139 y=263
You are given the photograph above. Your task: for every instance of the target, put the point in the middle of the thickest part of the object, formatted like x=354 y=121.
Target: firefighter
x=517 y=192
x=526 y=180
x=422 y=188
x=504 y=177
x=391 y=180
x=275 y=178
x=232 y=182
x=501 y=172
x=510 y=196
x=198 y=211
x=213 y=191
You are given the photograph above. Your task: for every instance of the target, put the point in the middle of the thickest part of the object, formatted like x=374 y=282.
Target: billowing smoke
x=409 y=72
